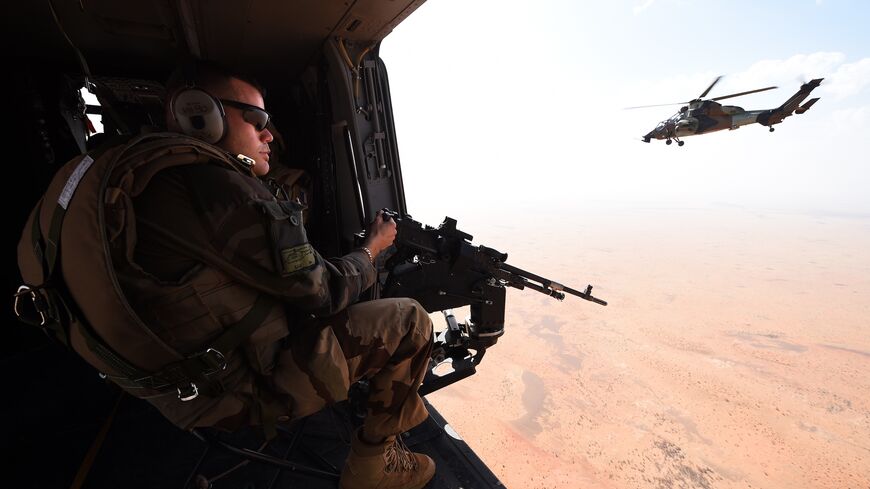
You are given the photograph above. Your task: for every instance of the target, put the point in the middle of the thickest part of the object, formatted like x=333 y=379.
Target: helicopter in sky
x=700 y=116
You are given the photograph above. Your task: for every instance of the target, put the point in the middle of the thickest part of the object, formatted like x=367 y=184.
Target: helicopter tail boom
x=791 y=106
x=805 y=107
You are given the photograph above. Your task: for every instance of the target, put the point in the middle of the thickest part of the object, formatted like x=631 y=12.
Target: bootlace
x=398 y=458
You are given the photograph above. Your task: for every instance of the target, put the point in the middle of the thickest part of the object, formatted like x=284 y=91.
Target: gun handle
x=387 y=215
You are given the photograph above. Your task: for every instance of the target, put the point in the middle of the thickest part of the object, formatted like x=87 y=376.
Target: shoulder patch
x=297 y=258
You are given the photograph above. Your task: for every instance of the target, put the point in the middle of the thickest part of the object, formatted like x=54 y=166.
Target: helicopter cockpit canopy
x=731 y=109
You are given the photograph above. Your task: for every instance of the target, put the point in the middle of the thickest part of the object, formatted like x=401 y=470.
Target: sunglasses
x=252 y=114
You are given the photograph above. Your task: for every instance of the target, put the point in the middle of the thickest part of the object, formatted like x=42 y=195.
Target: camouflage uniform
x=228 y=222
x=197 y=244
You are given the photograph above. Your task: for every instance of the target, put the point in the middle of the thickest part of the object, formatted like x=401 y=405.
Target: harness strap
x=240 y=331
x=52 y=241
x=196 y=371
x=36 y=236
x=44 y=304
x=52 y=312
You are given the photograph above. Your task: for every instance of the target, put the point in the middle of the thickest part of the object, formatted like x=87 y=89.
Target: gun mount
x=442 y=270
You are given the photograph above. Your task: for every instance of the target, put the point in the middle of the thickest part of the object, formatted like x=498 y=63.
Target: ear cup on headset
x=199 y=114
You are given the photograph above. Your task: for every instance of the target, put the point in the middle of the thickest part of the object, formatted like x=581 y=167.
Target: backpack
x=72 y=292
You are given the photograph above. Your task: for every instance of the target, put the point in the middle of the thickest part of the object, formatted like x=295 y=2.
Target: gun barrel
x=585 y=295
x=549 y=287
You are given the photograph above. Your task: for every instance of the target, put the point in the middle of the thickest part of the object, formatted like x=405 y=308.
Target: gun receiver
x=441 y=269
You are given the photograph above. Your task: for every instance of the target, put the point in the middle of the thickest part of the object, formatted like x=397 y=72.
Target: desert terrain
x=734 y=352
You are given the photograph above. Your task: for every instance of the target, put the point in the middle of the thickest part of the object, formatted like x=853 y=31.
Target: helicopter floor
x=50 y=445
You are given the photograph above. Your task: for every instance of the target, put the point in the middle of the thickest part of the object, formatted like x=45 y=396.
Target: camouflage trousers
x=386 y=341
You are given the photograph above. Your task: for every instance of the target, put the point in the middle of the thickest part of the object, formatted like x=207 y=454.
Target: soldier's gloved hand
x=380 y=234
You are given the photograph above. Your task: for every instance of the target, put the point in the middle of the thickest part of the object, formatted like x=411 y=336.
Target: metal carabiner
x=189 y=393
x=34 y=298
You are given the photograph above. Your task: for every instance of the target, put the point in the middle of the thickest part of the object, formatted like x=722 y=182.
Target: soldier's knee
x=417 y=316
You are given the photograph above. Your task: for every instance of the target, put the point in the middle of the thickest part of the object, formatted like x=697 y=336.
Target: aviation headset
x=198 y=113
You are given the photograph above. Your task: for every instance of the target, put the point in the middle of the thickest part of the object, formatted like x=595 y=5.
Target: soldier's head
x=218 y=106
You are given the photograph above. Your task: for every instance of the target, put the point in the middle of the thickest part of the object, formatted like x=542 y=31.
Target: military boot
x=388 y=465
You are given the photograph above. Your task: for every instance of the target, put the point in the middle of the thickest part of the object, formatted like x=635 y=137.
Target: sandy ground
x=735 y=353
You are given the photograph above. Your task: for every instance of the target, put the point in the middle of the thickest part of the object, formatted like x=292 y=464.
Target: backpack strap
x=47 y=305
x=39 y=305
x=195 y=372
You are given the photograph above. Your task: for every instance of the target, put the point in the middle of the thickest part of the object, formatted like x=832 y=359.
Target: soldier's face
x=242 y=136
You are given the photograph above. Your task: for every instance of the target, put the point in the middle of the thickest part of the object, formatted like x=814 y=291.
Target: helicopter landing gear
x=672 y=139
x=771 y=129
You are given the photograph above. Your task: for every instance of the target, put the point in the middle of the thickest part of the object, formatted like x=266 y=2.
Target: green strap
x=36 y=236
x=52 y=241
x=198 y=368
x=53 y=323
x=268 y=410
x=108 y=356
x=239 y=332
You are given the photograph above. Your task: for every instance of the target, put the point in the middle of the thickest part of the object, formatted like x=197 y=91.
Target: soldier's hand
x=381 y=234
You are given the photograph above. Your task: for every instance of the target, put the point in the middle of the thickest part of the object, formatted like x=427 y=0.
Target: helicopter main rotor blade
x=705 y=92
x=744 y=93
x=656 y=105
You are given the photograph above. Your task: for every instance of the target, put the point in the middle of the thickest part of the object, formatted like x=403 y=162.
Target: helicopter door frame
x=367 y=169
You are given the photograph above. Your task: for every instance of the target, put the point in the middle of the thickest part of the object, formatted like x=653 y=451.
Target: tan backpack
x=72 y=290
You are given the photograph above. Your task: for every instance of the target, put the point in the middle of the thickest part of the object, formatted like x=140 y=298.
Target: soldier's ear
x=198 y=114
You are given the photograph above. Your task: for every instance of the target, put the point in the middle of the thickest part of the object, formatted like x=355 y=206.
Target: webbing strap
x=239 y=332
x=46 y=302
x=52 y=241
x=36 y=237
x=195 y=369
x=268 y=409
x=47 y=294
x=107 y=355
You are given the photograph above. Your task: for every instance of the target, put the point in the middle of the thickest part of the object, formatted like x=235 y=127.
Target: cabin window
x=93 y=112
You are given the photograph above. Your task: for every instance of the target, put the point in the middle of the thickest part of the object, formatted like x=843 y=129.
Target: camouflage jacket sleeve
x=230 y=221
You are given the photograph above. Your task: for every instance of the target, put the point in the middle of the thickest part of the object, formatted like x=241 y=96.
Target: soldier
x=223 y=277
x=388 y=341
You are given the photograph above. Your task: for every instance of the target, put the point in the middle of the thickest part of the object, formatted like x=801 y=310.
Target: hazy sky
x=522 y=102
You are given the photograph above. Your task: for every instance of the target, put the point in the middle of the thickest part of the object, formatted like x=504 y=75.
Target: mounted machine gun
x=441 y=269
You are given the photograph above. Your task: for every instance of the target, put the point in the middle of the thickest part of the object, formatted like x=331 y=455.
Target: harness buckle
x=188 y=392
x=40 y=306
x=214 y=359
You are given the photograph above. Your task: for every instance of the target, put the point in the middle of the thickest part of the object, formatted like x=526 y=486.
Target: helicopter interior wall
x=272 y=39
x=47 y=386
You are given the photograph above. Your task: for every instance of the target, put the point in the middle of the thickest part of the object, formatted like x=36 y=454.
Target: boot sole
x=421 y=485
